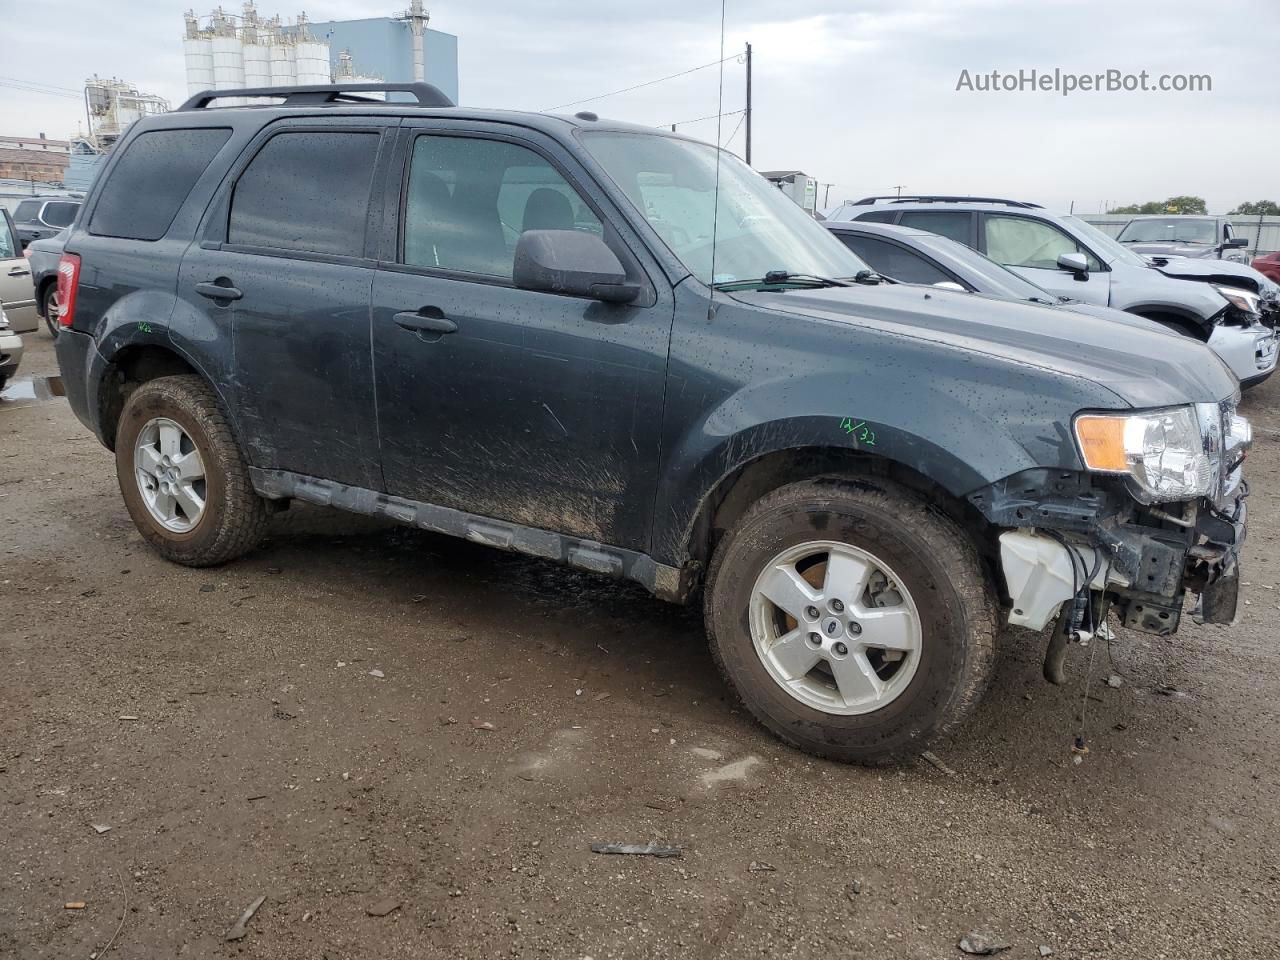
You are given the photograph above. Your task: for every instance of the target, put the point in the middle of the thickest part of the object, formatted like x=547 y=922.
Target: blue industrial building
x=383 y=47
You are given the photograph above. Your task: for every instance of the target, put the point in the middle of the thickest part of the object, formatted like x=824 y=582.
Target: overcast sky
x=858 y=93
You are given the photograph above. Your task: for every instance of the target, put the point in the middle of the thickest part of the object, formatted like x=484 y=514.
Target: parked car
x=622 y=348
x=40 y=217
x=43 y=257
x=1211 y=238
x=1070 y=258
x=917 y=256
x=10 y=350
x=1269 y=266
x=15 y=279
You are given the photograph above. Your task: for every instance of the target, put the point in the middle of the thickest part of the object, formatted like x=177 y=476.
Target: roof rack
x=427 y=95
x=937 y=198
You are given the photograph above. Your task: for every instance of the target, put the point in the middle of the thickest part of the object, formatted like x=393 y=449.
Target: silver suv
x=1070 y=258
x=1201 y=238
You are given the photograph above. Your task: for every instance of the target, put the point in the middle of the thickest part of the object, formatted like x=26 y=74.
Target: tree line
x=1194 y=205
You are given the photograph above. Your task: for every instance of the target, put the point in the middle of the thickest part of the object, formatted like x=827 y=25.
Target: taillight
x=68 y=282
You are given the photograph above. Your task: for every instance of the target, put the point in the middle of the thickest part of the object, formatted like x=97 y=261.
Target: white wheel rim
x=170 y=475
x=848 y=646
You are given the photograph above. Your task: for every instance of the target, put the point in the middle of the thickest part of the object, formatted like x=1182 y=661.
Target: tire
x=233 y=517
x=940 y=585
x=48 y=307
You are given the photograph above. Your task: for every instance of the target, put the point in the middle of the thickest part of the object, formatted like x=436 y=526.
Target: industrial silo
x=312 y=59
x=228 y=59
x=281 y=62
x=198 y=52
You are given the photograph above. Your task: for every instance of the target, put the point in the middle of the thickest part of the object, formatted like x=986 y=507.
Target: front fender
x=925 y=425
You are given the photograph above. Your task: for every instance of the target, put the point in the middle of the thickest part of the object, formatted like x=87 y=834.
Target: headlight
x=1240 y=298
x=1163 y=452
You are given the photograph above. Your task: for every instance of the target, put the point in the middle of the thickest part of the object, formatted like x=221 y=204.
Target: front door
x=282 y=272
x=536 y=408
x=1030 y=247
x=16 y=291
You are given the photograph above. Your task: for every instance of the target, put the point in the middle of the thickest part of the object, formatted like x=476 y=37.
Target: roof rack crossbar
x=427 y=95
x=941 y=198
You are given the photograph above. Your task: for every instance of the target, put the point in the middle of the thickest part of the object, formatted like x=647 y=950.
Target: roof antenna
x=715 y=202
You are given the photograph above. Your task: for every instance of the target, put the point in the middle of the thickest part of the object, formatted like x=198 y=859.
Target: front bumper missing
x=1141 y=560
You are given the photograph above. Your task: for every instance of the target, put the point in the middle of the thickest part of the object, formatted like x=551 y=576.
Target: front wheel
x=183 y=479
x=854 y=621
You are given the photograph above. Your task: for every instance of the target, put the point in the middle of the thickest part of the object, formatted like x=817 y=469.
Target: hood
x=1213 y=271
x=1144 y=365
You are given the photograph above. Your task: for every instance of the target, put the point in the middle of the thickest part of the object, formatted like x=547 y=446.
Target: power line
x=647 y=83
x=28 y=88
x=729 y=113
x=37 y=83
x=735 y=130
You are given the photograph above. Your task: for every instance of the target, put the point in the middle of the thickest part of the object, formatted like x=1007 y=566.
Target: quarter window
x=151 y=180
x=59 y=213
x=1023 y=242
x=469 y=199
x=308 y=191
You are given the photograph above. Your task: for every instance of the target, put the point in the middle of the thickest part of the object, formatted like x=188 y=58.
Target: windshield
x=672 y=183
x=984 y=273
x=1169 y=230
x=1103 y=245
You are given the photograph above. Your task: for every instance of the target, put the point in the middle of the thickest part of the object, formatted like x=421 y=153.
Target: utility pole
x=900 y=187
x=748 y=112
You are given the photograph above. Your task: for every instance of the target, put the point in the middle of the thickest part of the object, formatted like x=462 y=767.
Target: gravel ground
x=230 y=729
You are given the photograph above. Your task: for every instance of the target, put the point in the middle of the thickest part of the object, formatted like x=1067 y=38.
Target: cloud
x=859 y=93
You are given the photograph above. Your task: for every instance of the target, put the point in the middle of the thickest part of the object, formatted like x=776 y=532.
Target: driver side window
x=470 y=198
x=1022 y=242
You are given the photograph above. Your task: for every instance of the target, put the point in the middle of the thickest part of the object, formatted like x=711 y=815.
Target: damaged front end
x=1153 y=516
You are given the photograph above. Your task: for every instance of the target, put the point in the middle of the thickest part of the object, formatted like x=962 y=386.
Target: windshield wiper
x=780 y=277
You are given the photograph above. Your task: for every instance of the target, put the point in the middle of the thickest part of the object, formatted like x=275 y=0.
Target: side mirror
x=1235 y=243
x=1076 y=263
x=571 y=262
x=950 y=285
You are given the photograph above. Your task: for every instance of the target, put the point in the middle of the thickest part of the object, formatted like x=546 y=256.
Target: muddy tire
x=184 y=482
x=49 y=309
x=854 y=621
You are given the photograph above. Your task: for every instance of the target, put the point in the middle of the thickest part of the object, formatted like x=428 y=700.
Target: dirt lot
x=229 y=729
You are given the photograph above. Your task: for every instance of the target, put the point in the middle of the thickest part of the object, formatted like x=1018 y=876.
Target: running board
x=664 y=582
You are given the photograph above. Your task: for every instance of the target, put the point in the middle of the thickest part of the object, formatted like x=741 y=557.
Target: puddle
x=28 y=390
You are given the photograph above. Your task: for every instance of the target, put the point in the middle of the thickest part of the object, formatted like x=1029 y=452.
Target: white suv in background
x=1235 y=315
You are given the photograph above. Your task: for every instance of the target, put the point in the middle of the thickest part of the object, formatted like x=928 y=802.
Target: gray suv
x=623 y=349
x=1201 y=238
x=1234 y=313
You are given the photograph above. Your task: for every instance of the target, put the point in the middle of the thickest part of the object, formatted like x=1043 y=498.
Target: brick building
x=34 y=158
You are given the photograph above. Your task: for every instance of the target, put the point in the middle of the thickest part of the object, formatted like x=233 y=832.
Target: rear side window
x=956 y=224
x=306 y=191
x=149 y=183
x=891 y=260
x=59 y=213
x=878 y=216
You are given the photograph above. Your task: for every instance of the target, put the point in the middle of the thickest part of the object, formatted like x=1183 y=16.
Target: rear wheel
x=49 y=307
x=853 y=621
x=181 y=474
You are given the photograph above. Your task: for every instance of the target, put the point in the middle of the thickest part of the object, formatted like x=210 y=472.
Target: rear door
x=527 y=406
x=282 y=265
x=17 y=292
x=1030 y=247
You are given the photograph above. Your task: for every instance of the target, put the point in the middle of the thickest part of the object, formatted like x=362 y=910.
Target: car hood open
x=1144 y=366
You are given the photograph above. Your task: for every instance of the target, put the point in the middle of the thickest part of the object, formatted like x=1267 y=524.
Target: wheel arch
x=1184 y=320
x=752 y=479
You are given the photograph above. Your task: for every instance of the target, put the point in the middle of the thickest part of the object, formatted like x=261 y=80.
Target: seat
x=547 y=209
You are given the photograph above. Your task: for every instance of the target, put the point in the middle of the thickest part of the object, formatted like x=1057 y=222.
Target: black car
x=40 y=217
x=622 y=348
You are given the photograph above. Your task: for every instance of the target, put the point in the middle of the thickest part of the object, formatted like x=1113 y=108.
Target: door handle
x=426 y=320
x=20 y=272
x=220 y=289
